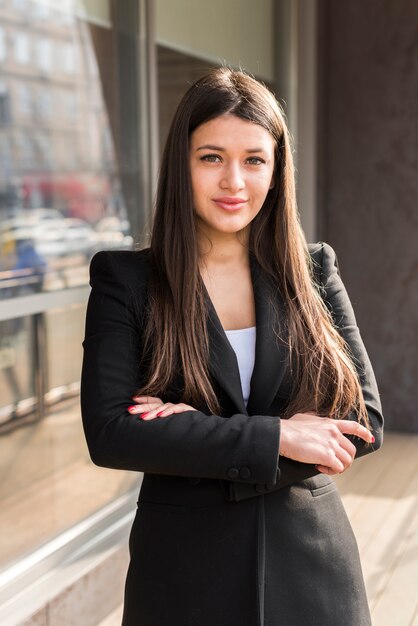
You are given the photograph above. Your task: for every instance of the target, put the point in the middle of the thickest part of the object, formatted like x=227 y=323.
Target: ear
x=273 y=182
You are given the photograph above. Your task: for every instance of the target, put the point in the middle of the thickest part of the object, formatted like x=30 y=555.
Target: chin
x=231 y=230
x=227 y=227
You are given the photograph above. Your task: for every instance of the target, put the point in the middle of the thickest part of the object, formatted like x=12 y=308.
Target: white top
x=243 y=343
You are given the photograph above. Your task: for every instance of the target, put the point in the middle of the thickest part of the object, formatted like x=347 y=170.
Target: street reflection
x=64 y=193
x=42 y=250
x=61 y=195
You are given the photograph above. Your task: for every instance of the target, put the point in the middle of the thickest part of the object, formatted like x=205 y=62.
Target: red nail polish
x=144 y=415
x=373 y=439
x=131 y=407
x=160 y=413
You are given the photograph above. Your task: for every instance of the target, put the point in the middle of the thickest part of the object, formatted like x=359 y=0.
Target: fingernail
x=144 y=415
x=373 y=439
x=131 y=407
x=160 y=413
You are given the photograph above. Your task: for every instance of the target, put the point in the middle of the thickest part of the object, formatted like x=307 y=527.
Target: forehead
x=229 y=131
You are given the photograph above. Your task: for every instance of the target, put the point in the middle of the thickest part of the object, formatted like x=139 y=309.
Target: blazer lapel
x=271 y=353
x=222 y=359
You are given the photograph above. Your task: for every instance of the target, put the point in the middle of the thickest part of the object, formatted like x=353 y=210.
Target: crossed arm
x=191 y=443
x=305 y=437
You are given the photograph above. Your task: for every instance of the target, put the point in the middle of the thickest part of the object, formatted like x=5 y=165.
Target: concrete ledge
x=88 y=600
x=82 y=591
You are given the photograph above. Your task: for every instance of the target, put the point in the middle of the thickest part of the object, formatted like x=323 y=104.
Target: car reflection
x=44 y=250
x=113 y=232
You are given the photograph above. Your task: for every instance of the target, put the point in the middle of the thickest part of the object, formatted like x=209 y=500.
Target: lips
x=230 y=203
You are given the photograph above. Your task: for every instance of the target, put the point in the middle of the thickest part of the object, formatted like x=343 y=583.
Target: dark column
x=368 y=184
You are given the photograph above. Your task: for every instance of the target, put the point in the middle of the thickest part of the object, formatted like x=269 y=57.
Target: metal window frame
x=296 y=54
x=33 y=304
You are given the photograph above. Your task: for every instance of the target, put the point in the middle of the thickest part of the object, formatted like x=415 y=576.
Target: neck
x=223 y=249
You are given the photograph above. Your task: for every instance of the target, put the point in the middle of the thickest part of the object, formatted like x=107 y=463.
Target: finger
x=148 y=406
x=326 y=470
x=333 y=463
x=143 y=408
x=348 y=427
x=157 y=412
x=181 y=408
x=147 y=399
x=345 y=458
x=166 y=412
x=151 y=406
x=168 y=409
x=174 y=408
x=348 y=446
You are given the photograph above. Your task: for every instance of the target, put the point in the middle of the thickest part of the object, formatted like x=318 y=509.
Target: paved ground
x=380 y=494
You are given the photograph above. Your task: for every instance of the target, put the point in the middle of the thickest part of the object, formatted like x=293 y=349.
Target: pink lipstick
x=230 y=203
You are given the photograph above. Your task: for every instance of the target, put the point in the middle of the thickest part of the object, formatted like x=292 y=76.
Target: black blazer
x=214 y=485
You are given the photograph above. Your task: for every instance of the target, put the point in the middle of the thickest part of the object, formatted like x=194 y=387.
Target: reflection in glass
x=63 y=196
x=62 y=160
x=16 y=368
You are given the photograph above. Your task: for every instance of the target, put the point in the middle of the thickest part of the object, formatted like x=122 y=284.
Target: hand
x=309 y=438
x=149 y=407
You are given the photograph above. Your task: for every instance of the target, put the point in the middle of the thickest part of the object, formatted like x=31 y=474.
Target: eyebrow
x=220 y=149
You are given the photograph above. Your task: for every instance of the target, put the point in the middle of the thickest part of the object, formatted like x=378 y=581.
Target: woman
x=239 y=346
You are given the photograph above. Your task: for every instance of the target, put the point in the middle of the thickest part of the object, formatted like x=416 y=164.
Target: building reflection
x=58 y=172
x=61 y=200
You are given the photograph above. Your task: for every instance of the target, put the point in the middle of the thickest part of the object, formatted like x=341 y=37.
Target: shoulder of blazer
x=133 y=267
x=325 y=261
x=315 y=250
x=129 y=267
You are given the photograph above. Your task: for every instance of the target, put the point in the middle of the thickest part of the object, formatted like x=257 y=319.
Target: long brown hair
x=176 y=336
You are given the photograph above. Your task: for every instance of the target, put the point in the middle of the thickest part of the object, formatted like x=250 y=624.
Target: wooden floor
x=380 y=493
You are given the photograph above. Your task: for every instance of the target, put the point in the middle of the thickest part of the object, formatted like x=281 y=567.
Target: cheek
x=202 y=186
x=262 y=183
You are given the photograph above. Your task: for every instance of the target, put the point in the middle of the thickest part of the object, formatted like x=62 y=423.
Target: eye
x=211 y=158
x=255 y=160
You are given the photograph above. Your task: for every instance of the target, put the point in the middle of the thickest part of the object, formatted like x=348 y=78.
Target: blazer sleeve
x=338 y=302
x=190 y=444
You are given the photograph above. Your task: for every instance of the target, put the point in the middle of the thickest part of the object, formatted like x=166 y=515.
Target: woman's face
x=231 y=165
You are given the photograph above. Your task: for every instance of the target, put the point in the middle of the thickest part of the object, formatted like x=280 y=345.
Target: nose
x=232 y=177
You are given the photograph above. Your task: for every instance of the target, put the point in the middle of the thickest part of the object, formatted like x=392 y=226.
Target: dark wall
x=368 y=181
x=176 y=73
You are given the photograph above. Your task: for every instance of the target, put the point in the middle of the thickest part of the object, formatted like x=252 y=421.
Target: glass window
x=44 y=154
x=22 y=48
x=24 y=99
x=41 y=11
x=24 y=146
x=44 y=103
x=44 y=54
x=70 y=185
x=69 y=58
x=70 y=104
x=2 y=44
x=20 y=5
x=5 y=154
x=5 y=116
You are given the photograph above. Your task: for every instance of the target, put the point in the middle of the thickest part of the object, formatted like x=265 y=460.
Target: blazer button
x=233 y=473
x=245 y=472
